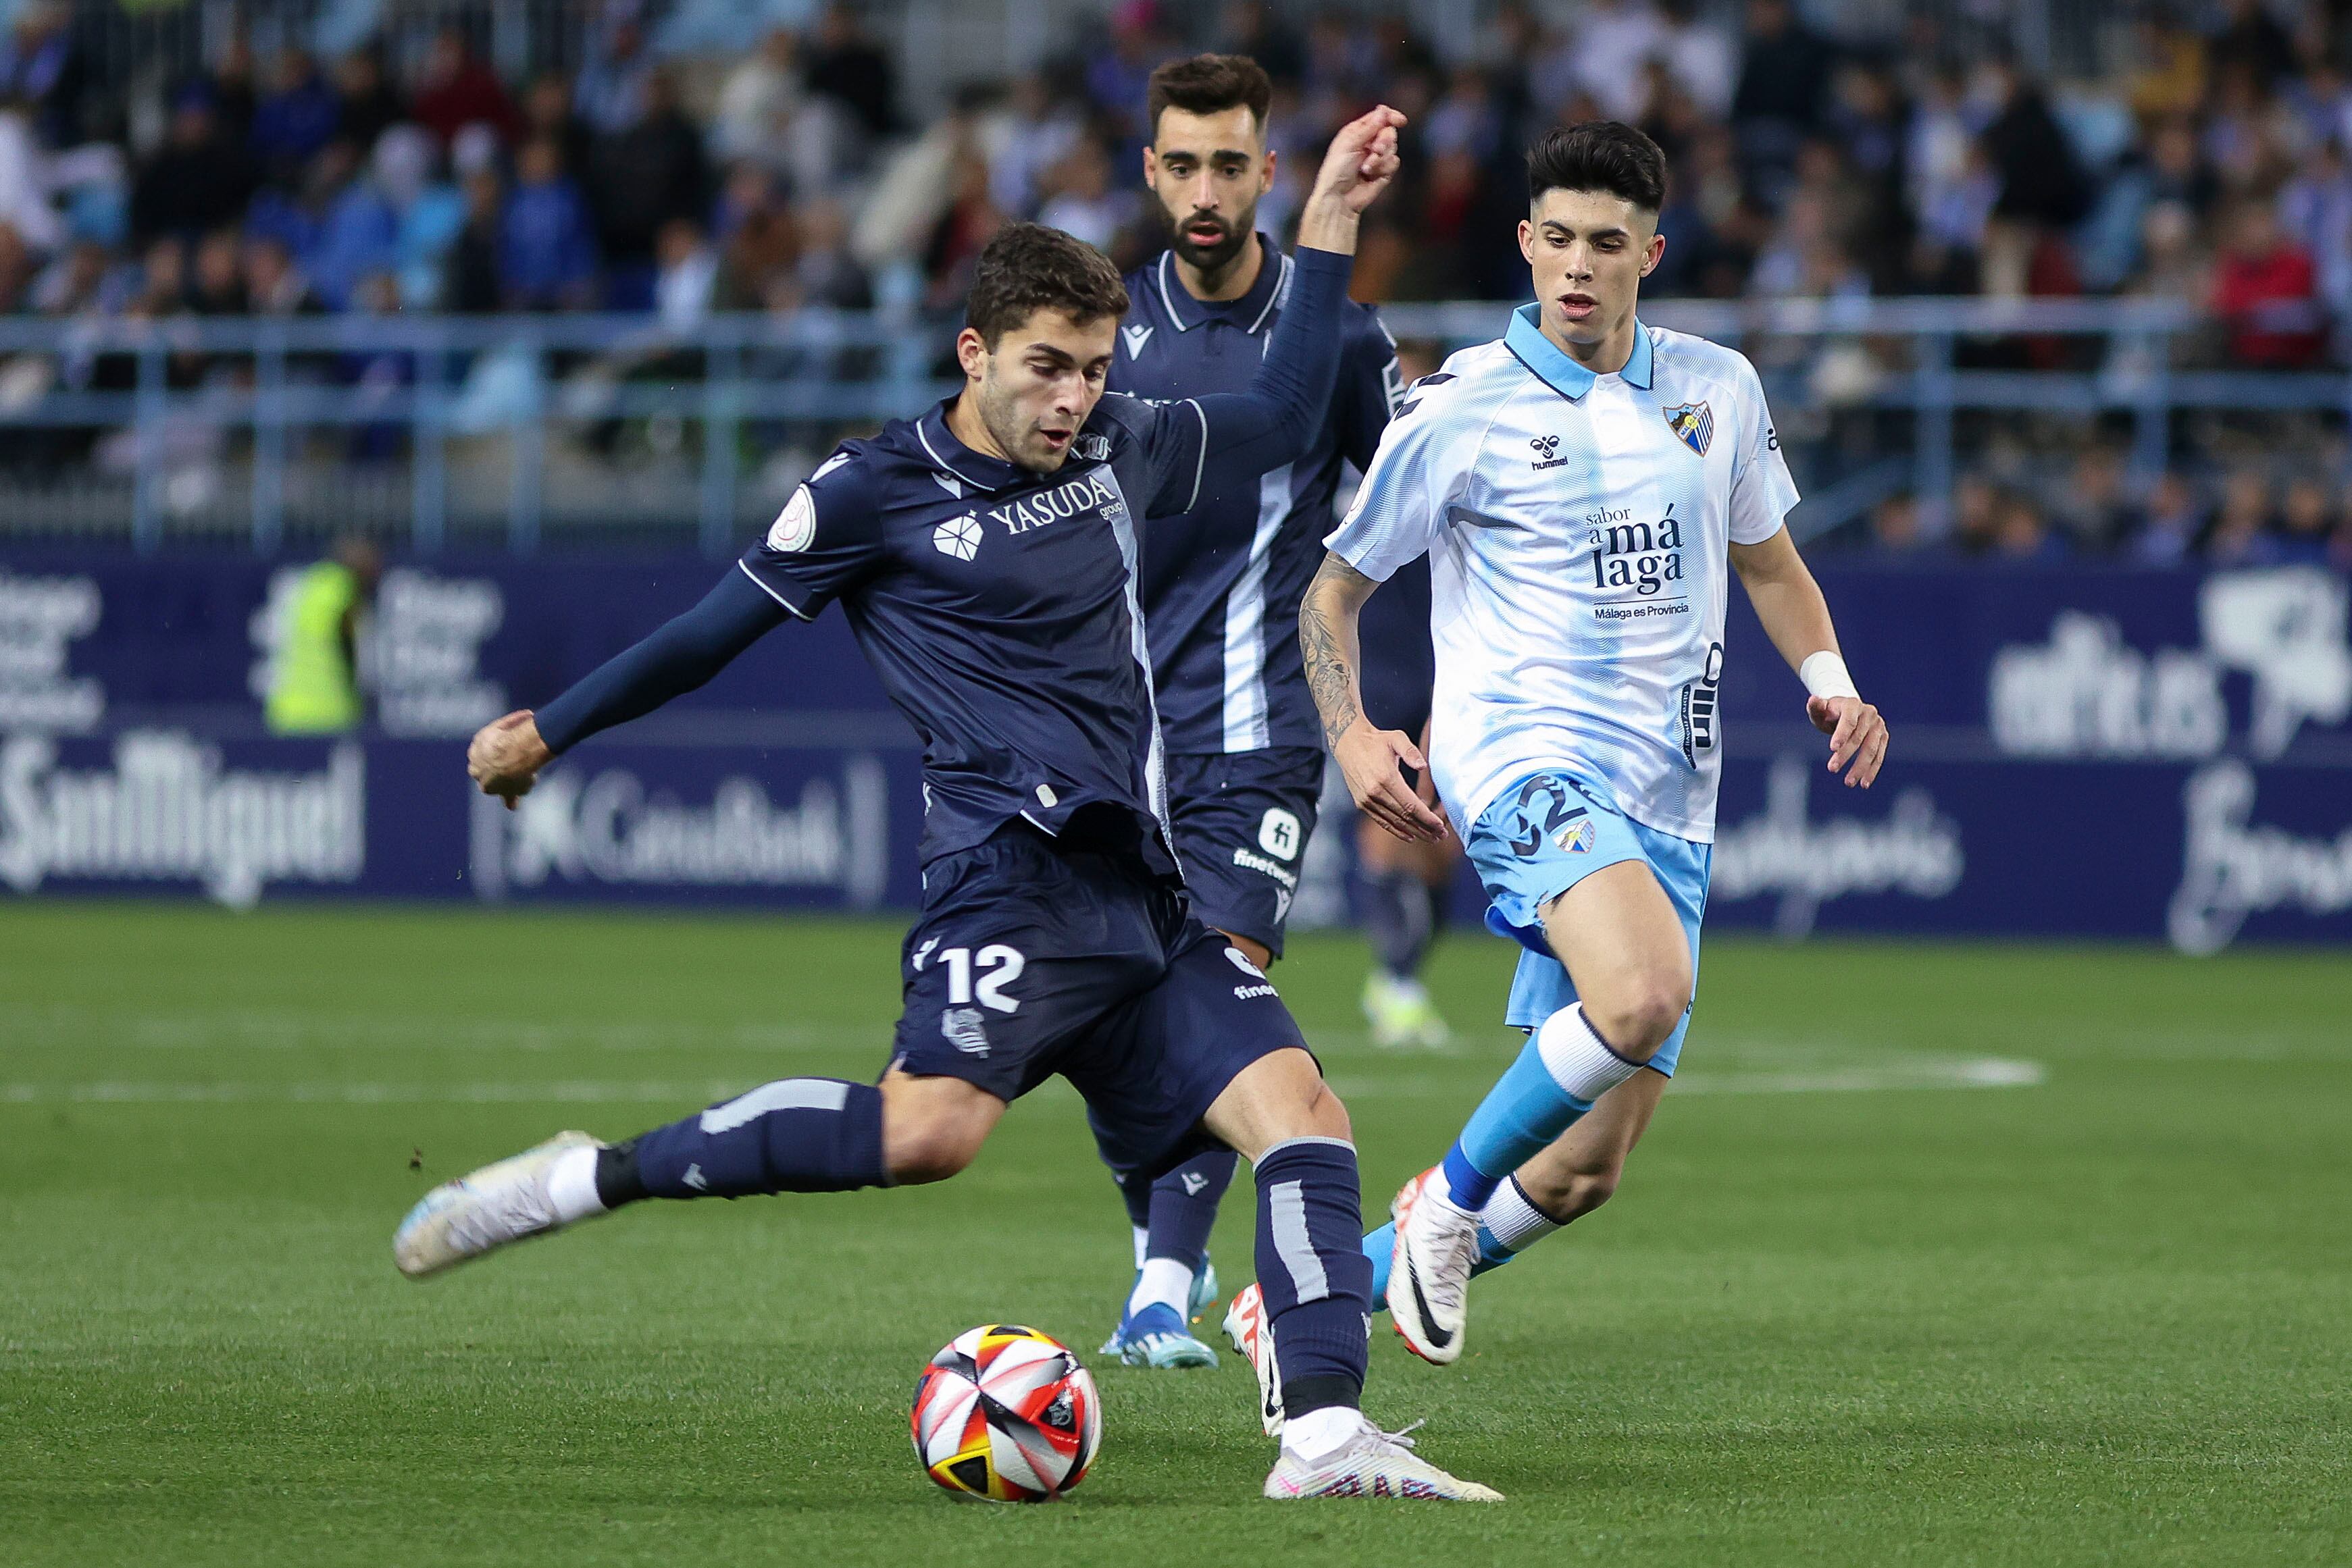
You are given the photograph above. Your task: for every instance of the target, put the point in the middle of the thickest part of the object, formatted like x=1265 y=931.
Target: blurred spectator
x=641 y=177
x=199 y=180
x=2314 y=215
x=366 y=102
x=547 y=116
x=764 y=116
x=547 y=252
x=299 y=115
x=609 y=94
x=2241 y=535
x=1698 y=56
x=1084 y=202
x=2307 y=518
x=826 y=273
x=1034 y=132
x=1976 y=514
x=758 y=243
x=274 y=286
x=1116 y=76
x=456 y=89
x=24 y=186
x=849 y=67
x=969 y=222
x=2021 y=536
x=41 y=70
x=687 y=271
x=233 y=84
x=2170 y=75
x=2095 y=508
x=1611 y=41
x=2251 y=38
x=1895 y=526
x=1783 y=84
x=2041 y=179
x=216 y=283
x=2169 y=525
x=2260 y=282
x=473 y=286
x=1250 y=27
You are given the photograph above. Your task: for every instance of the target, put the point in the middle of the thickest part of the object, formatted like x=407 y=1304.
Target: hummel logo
x=1545 y=446
x=694 y=1178
x=1136 y=338
x=1193 y=1182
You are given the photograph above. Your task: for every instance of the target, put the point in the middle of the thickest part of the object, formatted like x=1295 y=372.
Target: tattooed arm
x=1367 y=757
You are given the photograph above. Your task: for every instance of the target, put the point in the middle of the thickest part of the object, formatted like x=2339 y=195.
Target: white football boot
x=1253 y=1339
x=478 y=1213
x=1371 y=1463
x=1429 y=1272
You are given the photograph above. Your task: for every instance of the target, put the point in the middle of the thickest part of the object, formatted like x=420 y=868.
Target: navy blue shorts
x=1033 y=958
x=1241 y=821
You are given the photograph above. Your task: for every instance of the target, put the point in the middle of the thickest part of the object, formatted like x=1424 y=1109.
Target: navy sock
x=1400 y=918
x=1184 y=1207
x=797 y=1134
x=1135 y=1191
x=1311 y=1269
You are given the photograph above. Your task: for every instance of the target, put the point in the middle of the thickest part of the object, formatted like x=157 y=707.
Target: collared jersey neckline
x=1528 y=343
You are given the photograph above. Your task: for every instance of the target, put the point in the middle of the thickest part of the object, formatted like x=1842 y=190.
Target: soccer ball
x=1005 y=1414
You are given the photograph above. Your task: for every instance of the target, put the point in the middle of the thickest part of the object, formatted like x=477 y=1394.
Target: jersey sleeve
x=1372 y=387
x=827 y=539
x=1418 y=470
x=1167 y=452
x=1762 y=493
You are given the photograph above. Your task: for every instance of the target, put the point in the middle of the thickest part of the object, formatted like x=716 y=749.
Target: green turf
x=1845 y=1311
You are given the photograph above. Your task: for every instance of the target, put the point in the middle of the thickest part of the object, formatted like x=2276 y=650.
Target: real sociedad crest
x=1694 y=423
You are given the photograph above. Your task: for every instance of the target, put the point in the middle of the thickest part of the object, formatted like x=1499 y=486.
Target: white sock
x=1142 y=1245
x=1165 y=1281
x=1512 y=1220
x=572 y=1185
x=1572 y=1051
x=1316 y=1435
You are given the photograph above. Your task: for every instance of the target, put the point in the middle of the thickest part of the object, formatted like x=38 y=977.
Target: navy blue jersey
x=1222 y=582
x=998 y=606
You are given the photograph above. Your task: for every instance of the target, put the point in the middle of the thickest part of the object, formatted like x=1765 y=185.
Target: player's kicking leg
x=797 y=1134
x=1314 y=1286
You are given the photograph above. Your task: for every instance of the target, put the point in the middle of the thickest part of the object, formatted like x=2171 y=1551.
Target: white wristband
x=1824 y=675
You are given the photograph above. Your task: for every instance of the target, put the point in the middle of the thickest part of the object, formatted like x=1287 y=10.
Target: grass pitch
x=1935 y=1255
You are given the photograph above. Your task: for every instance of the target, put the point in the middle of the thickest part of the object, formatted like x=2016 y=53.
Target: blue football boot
x=1157 y=1337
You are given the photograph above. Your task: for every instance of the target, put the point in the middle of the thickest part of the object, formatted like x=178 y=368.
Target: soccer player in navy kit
x=1221 y=590
x=986 y=557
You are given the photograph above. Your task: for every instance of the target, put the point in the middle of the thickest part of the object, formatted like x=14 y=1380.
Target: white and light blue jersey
x=1578 y=528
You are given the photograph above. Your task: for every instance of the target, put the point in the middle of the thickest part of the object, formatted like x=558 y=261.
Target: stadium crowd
x=2214 y=167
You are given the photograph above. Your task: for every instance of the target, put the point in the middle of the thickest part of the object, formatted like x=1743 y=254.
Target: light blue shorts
x=1541 y=837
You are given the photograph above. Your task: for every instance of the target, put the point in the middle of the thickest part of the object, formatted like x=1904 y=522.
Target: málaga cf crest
x=1695 y=424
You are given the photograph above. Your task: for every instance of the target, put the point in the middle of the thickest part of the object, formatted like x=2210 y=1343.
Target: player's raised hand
x=507 y=755
x=1857 y=735
x=1363 y=159
x=1367 y=758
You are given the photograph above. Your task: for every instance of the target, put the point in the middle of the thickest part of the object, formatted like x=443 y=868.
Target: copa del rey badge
x=794 y=529
x=1694 y=423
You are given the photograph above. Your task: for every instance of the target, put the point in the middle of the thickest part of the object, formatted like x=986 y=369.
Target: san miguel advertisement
x=2155 y=756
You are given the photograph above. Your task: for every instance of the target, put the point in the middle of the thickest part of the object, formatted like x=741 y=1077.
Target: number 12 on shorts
x=998 y=967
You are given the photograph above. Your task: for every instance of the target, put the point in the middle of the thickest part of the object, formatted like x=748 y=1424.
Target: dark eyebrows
x=1615 y=231
x=1220 y=155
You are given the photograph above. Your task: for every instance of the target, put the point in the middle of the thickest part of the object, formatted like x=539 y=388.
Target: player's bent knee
x=925 y=1153
x=1636 y=1020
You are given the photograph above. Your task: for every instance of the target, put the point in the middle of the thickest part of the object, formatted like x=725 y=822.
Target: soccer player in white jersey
x=1584 y=489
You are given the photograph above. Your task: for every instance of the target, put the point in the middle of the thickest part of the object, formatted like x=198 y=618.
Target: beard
x=1215 y=257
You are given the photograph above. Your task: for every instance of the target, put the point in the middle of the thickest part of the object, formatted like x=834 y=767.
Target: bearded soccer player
x=985 y=554
x=1580 y=488
x=1221 y=590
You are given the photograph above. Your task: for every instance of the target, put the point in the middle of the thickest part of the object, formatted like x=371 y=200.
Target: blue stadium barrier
x=2098 y=753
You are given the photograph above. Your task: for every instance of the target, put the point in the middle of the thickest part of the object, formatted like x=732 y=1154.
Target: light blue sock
x=1380 y=1248
x=1523 y=1113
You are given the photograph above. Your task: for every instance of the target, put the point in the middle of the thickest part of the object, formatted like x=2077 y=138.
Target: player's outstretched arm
x=1367 y=757
x=1797 y=618
x=507 y=754
x=1276 y=420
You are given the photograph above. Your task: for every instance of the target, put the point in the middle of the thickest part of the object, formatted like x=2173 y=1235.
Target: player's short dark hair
x=1029 y=268
x=1210 y=84
x=1598 y=155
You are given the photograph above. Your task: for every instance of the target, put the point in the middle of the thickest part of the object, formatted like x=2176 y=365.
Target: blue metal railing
x=447 y=377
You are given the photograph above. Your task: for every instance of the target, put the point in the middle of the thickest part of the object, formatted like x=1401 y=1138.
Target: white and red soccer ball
x=1005 y=1414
